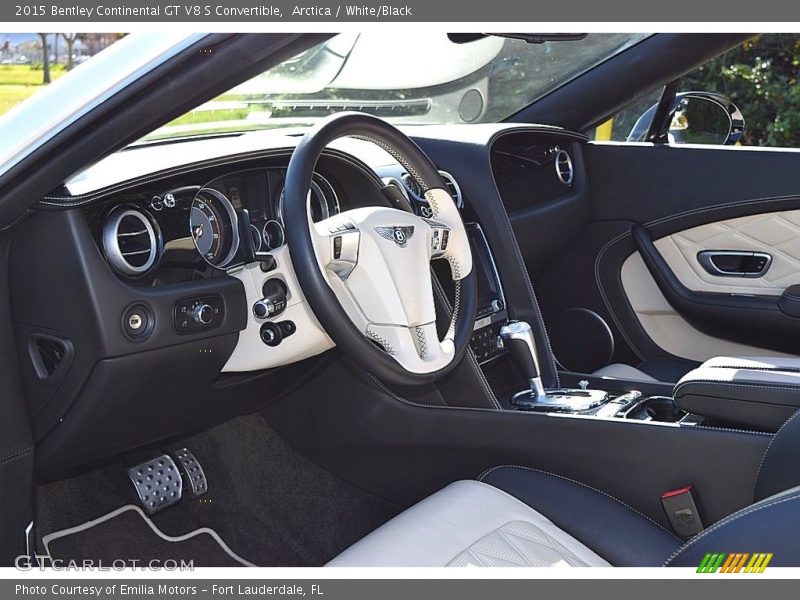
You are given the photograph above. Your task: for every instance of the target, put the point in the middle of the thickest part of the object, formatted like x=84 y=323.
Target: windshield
x=425 y=79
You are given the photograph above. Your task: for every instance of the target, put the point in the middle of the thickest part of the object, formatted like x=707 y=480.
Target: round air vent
x=130 y=241
x=565 y=171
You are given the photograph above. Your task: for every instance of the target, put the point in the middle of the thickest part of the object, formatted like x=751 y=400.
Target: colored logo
x=737 y=562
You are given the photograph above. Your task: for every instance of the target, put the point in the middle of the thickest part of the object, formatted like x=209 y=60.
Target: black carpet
x=271 y=506
x=128 y=535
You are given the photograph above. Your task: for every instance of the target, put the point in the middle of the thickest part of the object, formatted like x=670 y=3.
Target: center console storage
x=661 y=409
x=753 y=392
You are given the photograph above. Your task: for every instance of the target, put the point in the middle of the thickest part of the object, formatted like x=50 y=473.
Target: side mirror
x=693 y=118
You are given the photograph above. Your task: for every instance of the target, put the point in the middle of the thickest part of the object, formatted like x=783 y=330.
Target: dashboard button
x=271 y=334
x=287 y=328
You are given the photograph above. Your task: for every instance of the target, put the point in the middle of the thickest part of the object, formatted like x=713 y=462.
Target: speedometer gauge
x=214 y=227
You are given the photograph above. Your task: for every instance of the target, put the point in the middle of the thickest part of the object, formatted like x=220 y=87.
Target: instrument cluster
x=221 y=224
x=256 y=197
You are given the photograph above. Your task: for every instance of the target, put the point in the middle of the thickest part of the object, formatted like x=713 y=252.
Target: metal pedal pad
x=194 y=478
x=157 y=482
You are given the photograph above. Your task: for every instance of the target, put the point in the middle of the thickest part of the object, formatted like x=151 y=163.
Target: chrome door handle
x=734 y=263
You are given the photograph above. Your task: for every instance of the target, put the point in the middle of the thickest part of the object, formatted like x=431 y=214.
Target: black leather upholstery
x=625 y=537
x=612 y=529
x=760 y=393
x=668 y=370
x=767 y=526
x=780 y=466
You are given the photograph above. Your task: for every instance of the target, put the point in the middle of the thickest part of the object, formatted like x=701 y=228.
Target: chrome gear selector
x=518 y=339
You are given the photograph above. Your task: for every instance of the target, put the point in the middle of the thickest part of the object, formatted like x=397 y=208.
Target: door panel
x=668 y=329
x=686 y=200
x=773 y=234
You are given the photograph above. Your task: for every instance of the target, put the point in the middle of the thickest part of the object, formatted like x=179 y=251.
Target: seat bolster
x=620 y=534
x=769 y=526
x=468 y=523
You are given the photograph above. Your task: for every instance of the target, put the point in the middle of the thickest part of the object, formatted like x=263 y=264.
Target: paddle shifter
x=518 y=339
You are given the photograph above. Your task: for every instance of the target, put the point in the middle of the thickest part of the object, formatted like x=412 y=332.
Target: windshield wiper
x=530 y=38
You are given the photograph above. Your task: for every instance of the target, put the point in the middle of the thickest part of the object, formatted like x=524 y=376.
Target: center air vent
x=130 y=241
x=564 y=169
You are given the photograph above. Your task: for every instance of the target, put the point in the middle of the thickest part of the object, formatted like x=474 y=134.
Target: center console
x=495 y=337
x=517 y=337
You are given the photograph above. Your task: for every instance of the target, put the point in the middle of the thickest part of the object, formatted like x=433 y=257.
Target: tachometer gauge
x=214 y=227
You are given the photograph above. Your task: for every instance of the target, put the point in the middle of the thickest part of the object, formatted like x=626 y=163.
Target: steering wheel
x=365 y=273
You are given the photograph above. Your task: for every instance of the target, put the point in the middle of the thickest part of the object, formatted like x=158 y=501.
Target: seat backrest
x=780 y=466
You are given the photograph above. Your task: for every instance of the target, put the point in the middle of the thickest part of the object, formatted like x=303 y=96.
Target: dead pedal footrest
x=194 y=478
x=157 y=483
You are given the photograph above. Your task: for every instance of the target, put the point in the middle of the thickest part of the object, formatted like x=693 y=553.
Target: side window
x=760 y=78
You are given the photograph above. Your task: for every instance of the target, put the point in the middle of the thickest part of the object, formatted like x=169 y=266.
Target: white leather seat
x=500 y=521
x=469 y=523
x=623 y=371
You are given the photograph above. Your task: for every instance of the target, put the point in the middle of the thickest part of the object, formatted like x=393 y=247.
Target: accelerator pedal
x=194 y=478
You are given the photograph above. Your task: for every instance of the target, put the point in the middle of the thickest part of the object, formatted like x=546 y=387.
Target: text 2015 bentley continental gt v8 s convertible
x=276 y=299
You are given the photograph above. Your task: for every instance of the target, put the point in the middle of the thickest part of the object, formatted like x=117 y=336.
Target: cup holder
x=656 y=408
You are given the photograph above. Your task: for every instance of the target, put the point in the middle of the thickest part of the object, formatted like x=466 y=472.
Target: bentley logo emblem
x=399 y=235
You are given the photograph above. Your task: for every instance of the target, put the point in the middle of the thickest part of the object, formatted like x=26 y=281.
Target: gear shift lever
x=518 y=339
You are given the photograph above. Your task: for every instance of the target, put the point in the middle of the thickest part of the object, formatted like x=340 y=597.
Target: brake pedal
x=194 y=478
x=157 y=482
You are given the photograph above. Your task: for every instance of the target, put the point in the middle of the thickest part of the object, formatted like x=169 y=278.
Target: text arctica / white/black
x=197 y=10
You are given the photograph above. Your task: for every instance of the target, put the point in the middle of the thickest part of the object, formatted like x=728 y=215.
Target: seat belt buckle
x=682 y=512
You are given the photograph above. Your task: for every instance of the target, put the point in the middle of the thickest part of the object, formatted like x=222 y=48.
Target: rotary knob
x=271 y=334
x=264 y=308
x=202 y=314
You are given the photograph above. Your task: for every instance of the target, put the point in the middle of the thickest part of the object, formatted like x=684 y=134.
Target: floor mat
x=127 y=532
x=270 y=505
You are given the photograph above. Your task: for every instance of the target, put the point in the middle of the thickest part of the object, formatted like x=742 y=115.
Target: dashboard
x=181 y=305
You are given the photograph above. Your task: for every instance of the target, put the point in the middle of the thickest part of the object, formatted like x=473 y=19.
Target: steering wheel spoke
x=417 y=349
